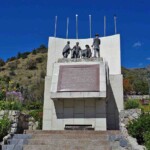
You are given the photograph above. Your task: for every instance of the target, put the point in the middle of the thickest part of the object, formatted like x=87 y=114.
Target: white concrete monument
x=83 y=93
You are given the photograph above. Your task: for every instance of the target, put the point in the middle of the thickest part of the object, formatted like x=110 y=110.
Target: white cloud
x=148 y=58
x=137 y=44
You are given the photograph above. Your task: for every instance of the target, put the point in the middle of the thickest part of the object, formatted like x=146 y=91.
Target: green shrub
x=42 y=49
x=12 y=65
x=11 y=59
x=39 y=59
x=37 y=115
x=2 y=95
x=2 y=62
x=138 y=127
x=147 y=140
x=34 y=52
x=31 y=64
x=12 y=73
x=131 y=104
x=4 y=127
x=10 y=105
x=32 y=105
x=42 y=74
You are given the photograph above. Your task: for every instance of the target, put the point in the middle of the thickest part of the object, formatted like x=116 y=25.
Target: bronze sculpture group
x=77 y=52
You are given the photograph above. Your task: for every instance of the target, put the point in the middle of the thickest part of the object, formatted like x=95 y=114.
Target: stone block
x=100 y=106
x=68 y=121
x=53 y=87
x=58 y=106
x=77 y=115
x=89 y=103
x=68 y=103
x=101 y=122
x=101 y=115
x=90 y=112
x=47 y=125
x=79 y=121
x=60 y=115
x=79 y=106
x=68 y=112
x=48 y=114
x=60 y=123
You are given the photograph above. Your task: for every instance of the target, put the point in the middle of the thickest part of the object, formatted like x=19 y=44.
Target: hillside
x=26 y=72
x=135 y=80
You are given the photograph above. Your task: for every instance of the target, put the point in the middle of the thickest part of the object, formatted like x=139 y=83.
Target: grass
x=23 y=75
x=145 y=108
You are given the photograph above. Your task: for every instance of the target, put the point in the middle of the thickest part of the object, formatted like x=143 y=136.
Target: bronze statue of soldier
x=96 y=45
x=66 y=50
x=86 y=53
x=76 y=51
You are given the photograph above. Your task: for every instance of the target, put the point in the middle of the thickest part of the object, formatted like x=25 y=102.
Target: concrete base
x=76 y=112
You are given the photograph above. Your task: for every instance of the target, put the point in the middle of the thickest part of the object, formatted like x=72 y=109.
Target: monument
x=83 y=93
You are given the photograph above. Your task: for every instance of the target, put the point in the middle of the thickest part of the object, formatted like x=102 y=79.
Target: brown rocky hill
x=27 y=72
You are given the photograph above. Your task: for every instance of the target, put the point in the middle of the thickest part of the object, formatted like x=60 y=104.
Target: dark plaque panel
x=78 y=78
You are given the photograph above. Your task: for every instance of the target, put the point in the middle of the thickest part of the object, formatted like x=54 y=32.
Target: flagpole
x=104 y=25
x=90 y=25
x=67 y=28
x=115 y=23
x=55 y=26
x=76 y=26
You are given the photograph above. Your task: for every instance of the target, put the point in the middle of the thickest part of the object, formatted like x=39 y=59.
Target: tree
x=2 y=62
x=127 y=86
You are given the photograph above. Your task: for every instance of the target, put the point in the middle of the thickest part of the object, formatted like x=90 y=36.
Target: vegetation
x=4 y=127
x=22 y=85
x=38 y=116
x=10 y=105
x=147 y=140
x=140 y=129
x=137 y=103
x=135 y=81
x=2 y=63
x=131 y=104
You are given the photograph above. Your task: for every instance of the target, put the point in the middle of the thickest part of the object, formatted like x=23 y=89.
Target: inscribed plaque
x=75 y=78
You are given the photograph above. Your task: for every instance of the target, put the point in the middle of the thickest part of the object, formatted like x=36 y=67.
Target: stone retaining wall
x=19 y=121
x=125 y=117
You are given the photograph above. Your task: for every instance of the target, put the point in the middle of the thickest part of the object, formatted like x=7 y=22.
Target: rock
x=2 y=113
x=13 y=130
x=123 y=142
x=122 y=125
x=135 y=115
x=31 y=123
x=14 y=125
x=31 y=119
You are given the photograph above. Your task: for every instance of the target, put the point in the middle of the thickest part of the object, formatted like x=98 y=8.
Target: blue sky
x=26 y=24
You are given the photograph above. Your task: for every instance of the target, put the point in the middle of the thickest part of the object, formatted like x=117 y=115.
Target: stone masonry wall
x=125 y=117
x=19 y=121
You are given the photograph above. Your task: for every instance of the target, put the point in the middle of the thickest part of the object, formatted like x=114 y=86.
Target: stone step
x=71 y=132
x=12 y=147
x=65 y=147
x=73 y=136
x=17 y=141
x=22 y=136
x=68 y=142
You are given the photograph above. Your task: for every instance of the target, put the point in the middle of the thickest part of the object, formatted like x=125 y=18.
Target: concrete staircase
x=67 y=140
